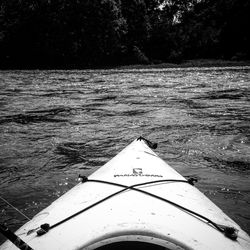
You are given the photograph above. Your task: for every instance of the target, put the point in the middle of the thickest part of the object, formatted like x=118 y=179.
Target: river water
x=57 y=124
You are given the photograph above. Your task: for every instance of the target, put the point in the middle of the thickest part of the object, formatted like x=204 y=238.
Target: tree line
x=98 y=33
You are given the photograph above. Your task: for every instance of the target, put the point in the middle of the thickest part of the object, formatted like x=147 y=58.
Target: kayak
x=135 y=200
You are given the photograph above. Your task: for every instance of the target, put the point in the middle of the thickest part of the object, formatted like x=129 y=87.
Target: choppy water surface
x=57 y=124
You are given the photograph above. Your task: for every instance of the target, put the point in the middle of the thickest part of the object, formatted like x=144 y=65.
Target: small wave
x=230 y=94
x=35 y=116
x=104 y=98
x=227 y=164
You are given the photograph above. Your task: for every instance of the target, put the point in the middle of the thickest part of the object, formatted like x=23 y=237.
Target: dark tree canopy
x=97 y=33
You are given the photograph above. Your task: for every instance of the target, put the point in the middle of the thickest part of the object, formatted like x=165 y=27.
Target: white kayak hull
x=132 y=215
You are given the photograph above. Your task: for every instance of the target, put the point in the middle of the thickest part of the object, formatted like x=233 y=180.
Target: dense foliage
x=96 y=33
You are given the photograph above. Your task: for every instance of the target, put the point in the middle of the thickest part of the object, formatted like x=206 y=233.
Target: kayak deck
x=135 y=197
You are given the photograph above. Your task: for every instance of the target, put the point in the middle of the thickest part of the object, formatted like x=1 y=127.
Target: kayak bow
x=135 y=200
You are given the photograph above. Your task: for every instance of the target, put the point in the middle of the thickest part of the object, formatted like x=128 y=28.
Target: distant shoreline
x=199 y=63
x=193 y=63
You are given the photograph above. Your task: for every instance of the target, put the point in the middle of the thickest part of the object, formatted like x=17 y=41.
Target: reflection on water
x=57 y=124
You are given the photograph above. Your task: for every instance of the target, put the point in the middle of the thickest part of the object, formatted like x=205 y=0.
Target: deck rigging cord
x=229 y=232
